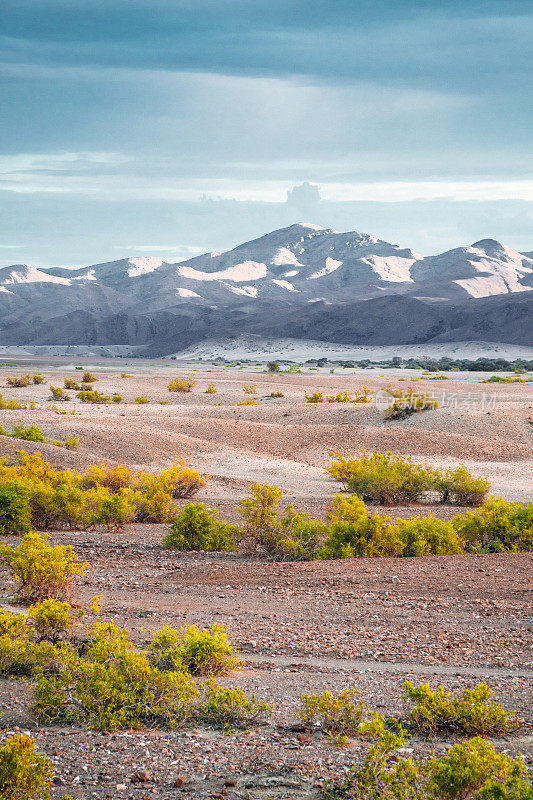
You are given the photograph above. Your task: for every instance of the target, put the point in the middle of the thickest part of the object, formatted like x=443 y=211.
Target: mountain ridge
x=288 y=277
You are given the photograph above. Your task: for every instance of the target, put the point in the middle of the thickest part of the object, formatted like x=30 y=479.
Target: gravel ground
x=366 y=624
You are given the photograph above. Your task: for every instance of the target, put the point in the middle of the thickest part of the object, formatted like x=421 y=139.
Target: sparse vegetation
x=42 y=570
x=59 y=394
x=250 y=388
x=70 y=383
x=314 y=397
x=24 y=775
x=211 y=389
x=88 y=377
x=408 y=402
x=141 y=400
x=92 y=396
x=334 y=715
x=34 y=434
x=38 y=378
x=473 y=712
x=19 y=381
x=198 y=652
x=389 y=480
x=198 y=527
x=101 y=496
x=181 y=385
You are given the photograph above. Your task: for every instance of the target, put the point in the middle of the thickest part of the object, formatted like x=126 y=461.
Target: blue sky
x=173 y=127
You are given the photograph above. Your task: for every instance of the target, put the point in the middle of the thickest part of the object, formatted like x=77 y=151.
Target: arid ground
x=367 y=624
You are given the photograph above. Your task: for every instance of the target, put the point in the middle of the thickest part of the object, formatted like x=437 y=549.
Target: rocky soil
x=367 y=624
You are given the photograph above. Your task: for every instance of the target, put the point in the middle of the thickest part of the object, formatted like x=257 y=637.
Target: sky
x=173 y=127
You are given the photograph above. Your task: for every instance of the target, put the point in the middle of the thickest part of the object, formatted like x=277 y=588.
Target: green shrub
x=286 y=536
x=473 y=712
x=15 y=510
x=353 y=533
x=272 y=366
x=429 y=536
x=59 y=394
x=211 y=389
x=460 y=487
x=88 y=377
x=231 y=708
x=70 y=383
x=181 y=385
x=116 y=398
x=24 y=775
x=314 y=397
x=497 y=526
x=19 y=381
x=475 y=770
x=340 y=714
x=141 y=400
x=382 y=478
x=198 y=652
x=114 y=687
x=51 y=619
x=38 y=378
x=276 y=394
x=197 y=527
x=11 y=405
x=93 y=396
x=469 y=771
x=250 y=388
x=43 y=571
x=408 y=402
x=389 y=480
x=341 y=397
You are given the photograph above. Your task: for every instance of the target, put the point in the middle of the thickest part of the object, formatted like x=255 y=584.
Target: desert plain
x=366 y=624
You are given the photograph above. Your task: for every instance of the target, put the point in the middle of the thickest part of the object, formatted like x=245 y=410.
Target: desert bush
x=23 y=653
x=198 y=652
x=24 y=774
x=70 y=383
x=126 y=375
x=211 y=389
x=341 y=714
x=341 y=397
x=93 y=396
x=42 y=570
x=230 y=708
x=141 y=400
x=86 y=387
x=353 y=533
x=88 y=377
x=429 y=536
x=181 y=385
x=38 y=378
x=272 y=366
x=112 y=478
x=250 y=388
x=460 y=487
x=15 y=510
x=19 y=381
x=182 y=480
x=497 y=526
x=408 y=402
x=314 y=397
x=290 y=535
x=114 y=687
x=116 y=398
x=198 y=527
x=473 y=712
x=10 y=405
x=362 y=395
x=59 y=394
x=51 y=619
x=382 y=478
x=468 y=771
x=276 y=394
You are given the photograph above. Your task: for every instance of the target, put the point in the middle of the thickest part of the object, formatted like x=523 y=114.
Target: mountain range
x=303 y=281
